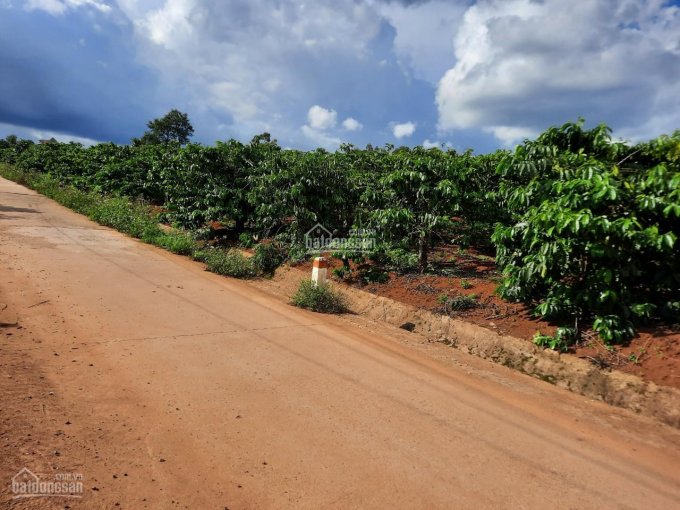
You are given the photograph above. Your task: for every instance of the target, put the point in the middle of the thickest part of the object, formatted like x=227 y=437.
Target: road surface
x=164 y=386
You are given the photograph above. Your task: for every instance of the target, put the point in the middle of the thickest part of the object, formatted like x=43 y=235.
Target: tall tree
x=172 y=127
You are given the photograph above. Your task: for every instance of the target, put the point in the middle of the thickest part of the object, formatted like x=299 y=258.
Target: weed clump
x=319 y=298
x=227 y=263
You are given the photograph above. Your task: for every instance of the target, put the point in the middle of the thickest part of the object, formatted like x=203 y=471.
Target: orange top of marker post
x=320 y=263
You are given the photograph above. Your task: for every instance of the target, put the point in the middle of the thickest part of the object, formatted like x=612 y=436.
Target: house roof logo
x=25 y=476
x=319 y=230
x=26 y=484
x=318 y=239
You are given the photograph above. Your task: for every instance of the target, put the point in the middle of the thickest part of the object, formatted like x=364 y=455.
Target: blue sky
x=480 y=74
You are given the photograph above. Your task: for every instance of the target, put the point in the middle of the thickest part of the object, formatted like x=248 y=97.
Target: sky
x=463 y=74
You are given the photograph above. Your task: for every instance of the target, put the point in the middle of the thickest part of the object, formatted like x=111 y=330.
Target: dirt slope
x=169 y=387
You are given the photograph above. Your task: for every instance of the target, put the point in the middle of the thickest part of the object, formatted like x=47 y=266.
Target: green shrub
x=596 y=227
x=14 y=174
x=125 y=216
x=466 y=284
x=402 y=260
x=180 y=243
x=373 y=275
x=227 y=263
x=342 y=272
x=268 y=257
x=319 y=298
x=297 y=253
x=246 y=240
x=564 y=337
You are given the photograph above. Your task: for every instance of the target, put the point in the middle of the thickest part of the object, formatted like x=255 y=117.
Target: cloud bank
x=478 y=74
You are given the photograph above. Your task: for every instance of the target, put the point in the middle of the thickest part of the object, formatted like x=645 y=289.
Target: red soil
x=654 y=354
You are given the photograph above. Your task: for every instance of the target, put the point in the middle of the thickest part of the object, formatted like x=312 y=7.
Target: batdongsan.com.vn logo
x=26 y=484
x=319 y=239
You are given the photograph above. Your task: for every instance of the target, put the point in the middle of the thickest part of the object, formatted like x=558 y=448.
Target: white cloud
x=506 y=68
x=230 y=96
x=511 y=135
x=427 y=144
x=351 y=124
x=56 y=7
x=256 y=61
x=51 y=6
x=322 y=118
x=403 y=130
x=424 y=34
x=39 y=134
x=321 y=138
x=523 y=65
x=36 y=134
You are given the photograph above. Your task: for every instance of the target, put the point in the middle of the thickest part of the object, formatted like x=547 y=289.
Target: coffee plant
x=584 y=228
x=595 y=229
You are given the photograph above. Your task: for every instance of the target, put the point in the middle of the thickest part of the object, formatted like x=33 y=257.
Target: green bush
x=373 y=275
x=586 y=228
x=402 y=260
x=595 y=229
x=319 y=298
x=564 y=337
x=127 y=217
x=180 y=243
x=14 y=174
x=227 y=263
x=268 y=257
x=246 y=240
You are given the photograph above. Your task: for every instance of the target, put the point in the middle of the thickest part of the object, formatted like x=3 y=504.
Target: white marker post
x=319 y=270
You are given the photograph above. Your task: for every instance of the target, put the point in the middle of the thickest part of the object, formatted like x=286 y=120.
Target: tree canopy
x=174 y=126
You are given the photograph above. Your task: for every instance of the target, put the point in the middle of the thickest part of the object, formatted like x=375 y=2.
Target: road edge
x=566 y=371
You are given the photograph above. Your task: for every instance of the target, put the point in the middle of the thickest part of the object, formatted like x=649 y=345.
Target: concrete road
x=164 y=386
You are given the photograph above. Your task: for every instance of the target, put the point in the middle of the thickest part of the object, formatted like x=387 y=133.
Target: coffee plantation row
x=584 y=228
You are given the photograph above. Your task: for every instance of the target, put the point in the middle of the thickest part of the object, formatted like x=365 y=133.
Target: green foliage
x=402 y=260
x=291 y=191
x=413 y=199
x=246 y=240
x=14 y=174
x=178 y=242
x=466 y=284
x=564 y=337
x=586 y=228
x=268 y=257
x=174 y=126
x=342 y=272
x=227 y=263
x=126 y=216
x=128 y=171
x=373 y=274
x=319 y=298
x=201 y=184
x=595 y=228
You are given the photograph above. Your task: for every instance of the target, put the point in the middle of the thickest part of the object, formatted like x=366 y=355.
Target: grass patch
x=319 y=298
x=14 y=174
x=227 y=263
x=180 y=243
x=139 y=220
